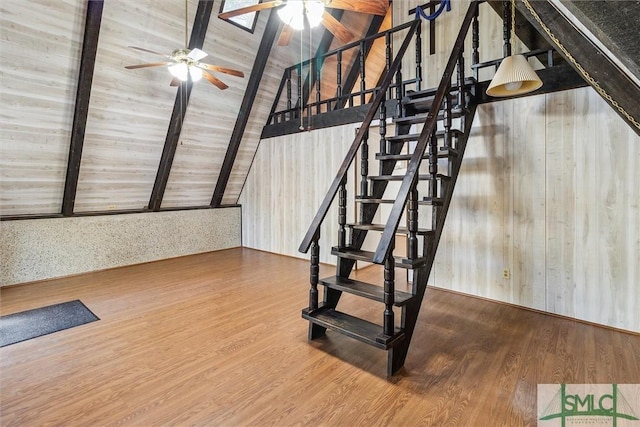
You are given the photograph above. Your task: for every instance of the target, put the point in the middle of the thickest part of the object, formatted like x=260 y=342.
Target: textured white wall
x=44 y=248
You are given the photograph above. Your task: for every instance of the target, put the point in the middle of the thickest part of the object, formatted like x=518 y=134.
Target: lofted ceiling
x=129 y=112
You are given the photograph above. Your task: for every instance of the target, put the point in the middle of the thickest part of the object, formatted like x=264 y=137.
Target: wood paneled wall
x=287 y=182
x=39 y=62
x=548 y=192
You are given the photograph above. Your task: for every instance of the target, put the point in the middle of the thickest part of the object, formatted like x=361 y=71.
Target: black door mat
x=34 y=323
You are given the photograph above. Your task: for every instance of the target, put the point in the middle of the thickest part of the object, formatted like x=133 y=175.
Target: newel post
x=314 y=271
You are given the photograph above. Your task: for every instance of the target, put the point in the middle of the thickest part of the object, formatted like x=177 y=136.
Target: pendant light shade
x=514 y=77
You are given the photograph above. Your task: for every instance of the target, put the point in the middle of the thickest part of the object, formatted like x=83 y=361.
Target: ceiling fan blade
x=154 y=64
x=225 y=70
x=196 y=54
x=214 y=80
x=149 y=51
x=248 y=9
x=336 y=28
x=372 y=7
x=285 y=35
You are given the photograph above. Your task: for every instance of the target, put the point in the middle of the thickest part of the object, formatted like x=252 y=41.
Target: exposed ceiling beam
x=198 y=34
x=270 y=32
x=611 y=83
x=83 y=95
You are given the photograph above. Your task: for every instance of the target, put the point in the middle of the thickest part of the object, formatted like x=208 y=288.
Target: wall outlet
x=112 y=207
x=506 y=274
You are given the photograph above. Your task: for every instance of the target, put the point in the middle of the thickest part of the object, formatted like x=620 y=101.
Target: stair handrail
x=382 y=251
x=353 y=150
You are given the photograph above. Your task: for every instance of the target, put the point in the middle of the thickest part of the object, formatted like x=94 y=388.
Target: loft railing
x=313 y=234
x=293 y=103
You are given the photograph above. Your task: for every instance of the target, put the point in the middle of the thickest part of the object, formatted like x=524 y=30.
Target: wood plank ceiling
x=129 y=112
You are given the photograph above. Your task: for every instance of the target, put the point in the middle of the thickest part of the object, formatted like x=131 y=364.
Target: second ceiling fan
x=294 y=14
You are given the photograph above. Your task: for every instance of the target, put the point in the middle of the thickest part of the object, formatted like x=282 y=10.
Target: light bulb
x=195 y=73
x=180 y=71
x=315 y=10
x=513 y=85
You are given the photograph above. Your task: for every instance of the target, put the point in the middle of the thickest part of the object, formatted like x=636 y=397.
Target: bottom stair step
x=353 y=327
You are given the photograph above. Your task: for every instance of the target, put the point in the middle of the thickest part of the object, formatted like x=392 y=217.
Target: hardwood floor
x=217 y=339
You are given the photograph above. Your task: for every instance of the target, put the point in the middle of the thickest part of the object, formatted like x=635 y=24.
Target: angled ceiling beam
x=83 y=95
x=198 y=34
x=611 y=83
x=270 y=32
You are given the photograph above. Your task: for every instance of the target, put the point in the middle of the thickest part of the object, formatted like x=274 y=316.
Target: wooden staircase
x=432 y=155
x=447 y=144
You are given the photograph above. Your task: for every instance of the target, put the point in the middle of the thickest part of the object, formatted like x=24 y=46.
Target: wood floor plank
x=217 y=339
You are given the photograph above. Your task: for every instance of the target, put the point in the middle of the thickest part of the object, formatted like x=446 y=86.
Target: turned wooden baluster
x=399 y=91
x=388 y=58
x=476 y=43
x=363 y=82
x=383 y=127
x=506 y=28
x=419 y=57
x=339 y=79
x=447 y=118
x=412 y=222
x=462 y=100
x=318 y=79
x=299 y=103
x=364 y=167
x=433 y=165
x=342 y=214
x=389 y=293
x=314 y=271
x=289 y=104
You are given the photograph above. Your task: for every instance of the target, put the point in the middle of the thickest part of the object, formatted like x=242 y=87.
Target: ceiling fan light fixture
x=292 y=14
x=315 y=10
x=195 y=73
x=180 y=71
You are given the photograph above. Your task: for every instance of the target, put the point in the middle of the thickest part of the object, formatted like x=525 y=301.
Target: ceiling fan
x=184 y=64
x=294 y=13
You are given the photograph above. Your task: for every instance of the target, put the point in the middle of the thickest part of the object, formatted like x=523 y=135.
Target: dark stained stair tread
x=442 y=152
x=365 y=290
x=353 y=327
x=432 y=91
x=414 y=136
x=380 y=227
x=360 y=255
x=401 y=177
x=429 y=201
x=422 y=117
